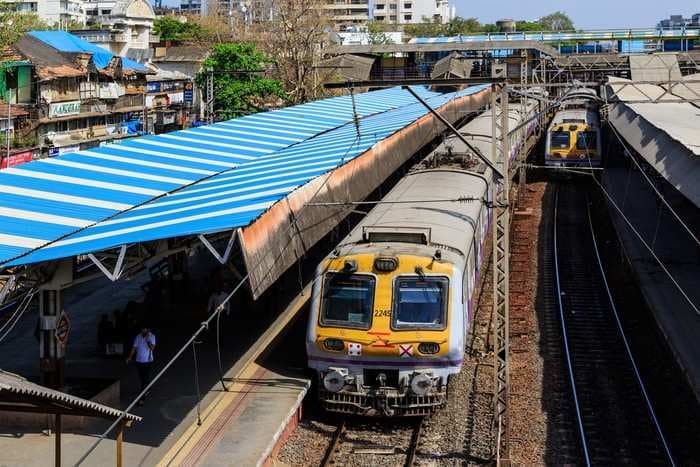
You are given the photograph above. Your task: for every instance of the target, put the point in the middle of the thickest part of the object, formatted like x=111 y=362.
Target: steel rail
x=413 y=446
x=632 y=360
x=567 y=351
x=333 y=446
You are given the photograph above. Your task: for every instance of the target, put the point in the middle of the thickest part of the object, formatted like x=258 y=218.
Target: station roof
x=184 y=183
x=17 y=393
x=665 y=133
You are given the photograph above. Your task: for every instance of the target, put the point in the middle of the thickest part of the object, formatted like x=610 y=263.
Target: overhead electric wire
x=21 y=309
x=658 y=193
x=641 y=239
x=652 y=412
x=205 y=324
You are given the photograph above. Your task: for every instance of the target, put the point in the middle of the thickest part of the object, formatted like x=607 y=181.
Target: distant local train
x=393 y=303
x=573 y=136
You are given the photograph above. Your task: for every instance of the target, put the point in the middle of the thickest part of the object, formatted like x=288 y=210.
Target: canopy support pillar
x=57 y=435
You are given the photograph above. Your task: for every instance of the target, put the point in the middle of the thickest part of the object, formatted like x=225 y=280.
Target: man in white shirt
x=216 y=299
x=144 y=343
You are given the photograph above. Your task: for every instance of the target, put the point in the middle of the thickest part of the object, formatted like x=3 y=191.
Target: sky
x=586 y=14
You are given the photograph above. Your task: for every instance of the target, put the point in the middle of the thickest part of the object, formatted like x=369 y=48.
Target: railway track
x=334 y=450
x=615 y=419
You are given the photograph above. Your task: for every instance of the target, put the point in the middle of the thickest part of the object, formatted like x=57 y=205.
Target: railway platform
x=676 y=318
x=247 y=424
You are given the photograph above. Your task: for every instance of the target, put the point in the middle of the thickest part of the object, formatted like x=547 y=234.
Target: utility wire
x=641 y=239
x=204 y=325
x=658 y=193
x=190 y=341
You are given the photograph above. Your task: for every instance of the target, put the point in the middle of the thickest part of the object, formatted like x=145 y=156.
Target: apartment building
x=347 y=14
x=79 y=94
x=54 y=12
x=412 y=11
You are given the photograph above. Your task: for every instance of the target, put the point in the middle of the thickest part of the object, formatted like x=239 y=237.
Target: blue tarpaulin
x=66 y=42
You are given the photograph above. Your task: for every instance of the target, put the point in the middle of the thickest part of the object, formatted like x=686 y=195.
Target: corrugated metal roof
x=665 y=134
x=116 y=194
x=18 y=386
x=680 y=120
x=655 y=67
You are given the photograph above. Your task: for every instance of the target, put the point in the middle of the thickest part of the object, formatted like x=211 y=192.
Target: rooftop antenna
x=355 y=118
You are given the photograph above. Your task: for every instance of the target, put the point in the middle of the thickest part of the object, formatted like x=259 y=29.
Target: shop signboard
x=62 y=109
x=53 y=152
x=175 y=97
x=153 y=86
x=188 y=93
x=15 y=159
x=168 y=86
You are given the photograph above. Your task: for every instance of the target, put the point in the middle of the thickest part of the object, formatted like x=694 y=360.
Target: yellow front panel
x=381 y=340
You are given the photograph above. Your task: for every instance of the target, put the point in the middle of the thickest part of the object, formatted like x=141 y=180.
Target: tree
x=172 y=29
x=557 y=21
x=377 y=33
x=14 y=24
x=460 y=25
x=426 y=28
x=239 y=87
x=295 y=36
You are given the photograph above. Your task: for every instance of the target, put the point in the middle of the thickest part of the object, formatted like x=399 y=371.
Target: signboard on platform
x=188 y=93
x=62 y=328
x=15 y=159
x=62 y=109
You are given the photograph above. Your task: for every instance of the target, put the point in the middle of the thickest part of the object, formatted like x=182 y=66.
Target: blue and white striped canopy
x=182 y=183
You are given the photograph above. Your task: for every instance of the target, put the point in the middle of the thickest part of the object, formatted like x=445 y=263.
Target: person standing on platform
x=142 y=350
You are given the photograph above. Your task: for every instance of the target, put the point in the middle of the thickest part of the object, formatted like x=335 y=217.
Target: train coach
x=392 y=304
x=574 y=135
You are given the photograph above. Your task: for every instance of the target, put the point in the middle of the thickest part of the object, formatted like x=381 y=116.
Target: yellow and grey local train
x=574 y=137
x=392 y=304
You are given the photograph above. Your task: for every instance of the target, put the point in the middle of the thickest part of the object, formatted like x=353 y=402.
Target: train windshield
x=420 y=303
x=348 y=300
x=586 y=140
x=560 y=140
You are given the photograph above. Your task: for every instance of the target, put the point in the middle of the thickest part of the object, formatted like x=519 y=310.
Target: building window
x=392 y=18
x=380 y=6
x=392 y=6
x=379 y=18
x=407 y=6
x=407 y=17
x=106 y=12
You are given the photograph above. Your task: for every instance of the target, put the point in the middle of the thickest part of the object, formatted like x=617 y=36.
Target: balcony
x=345 y=6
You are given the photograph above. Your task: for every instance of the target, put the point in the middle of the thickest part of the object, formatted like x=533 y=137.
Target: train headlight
x=428 y=348
x=334 y=380
x=335 y=345
x=386 y=263
x=421 y=384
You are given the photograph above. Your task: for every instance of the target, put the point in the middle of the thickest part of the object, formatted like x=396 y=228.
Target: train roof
x=423 y=220
x=585 y=116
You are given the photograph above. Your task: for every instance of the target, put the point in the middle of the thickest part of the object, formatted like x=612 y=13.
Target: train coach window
x=560 y=140
x=420 y=303
x=348 y=300
x=586 y=140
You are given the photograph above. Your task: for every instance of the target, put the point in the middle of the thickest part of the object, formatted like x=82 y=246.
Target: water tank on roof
x=505 y=25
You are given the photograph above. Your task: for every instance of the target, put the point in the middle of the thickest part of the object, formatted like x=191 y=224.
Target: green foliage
x=18 y=141
x=239 y=88
x=171 y=29
x=14 y=24
x=377 y=33
x=557 y=21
